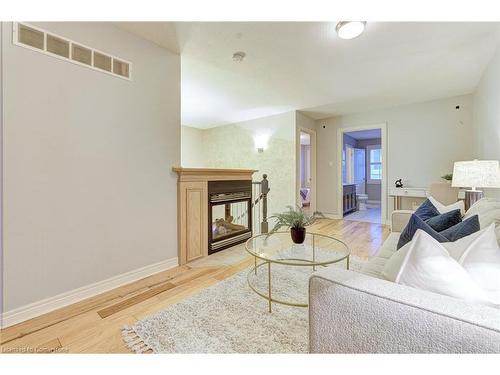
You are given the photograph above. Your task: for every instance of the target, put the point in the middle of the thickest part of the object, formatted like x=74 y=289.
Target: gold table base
x=269 y=297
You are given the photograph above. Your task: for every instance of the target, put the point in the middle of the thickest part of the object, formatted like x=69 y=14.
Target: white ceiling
x=305 y=66
x=365 y=134
x=161 y=33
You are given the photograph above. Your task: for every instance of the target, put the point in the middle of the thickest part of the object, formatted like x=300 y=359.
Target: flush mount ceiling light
x=239 y=56
x=350 y=29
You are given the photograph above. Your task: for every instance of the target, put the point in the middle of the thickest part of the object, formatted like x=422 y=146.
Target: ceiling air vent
x=48 y=43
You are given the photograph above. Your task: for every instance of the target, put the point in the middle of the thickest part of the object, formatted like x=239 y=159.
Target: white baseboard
x=332 y=216
x=44 y=306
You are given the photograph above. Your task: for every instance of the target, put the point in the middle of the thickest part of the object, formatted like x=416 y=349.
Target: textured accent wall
x=233 y=146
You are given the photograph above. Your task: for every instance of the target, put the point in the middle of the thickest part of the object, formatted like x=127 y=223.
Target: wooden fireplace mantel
x=213 y=174
x=192 y=207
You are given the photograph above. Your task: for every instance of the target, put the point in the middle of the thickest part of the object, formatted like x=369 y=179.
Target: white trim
x=383 y=188
x=332 y=216
x=312 y=134
x=47 y=305
x=69 y=59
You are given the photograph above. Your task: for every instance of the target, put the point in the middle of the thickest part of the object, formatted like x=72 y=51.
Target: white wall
x=88 y=188
x=487 y=115
x=424 y=139
x=192 y=148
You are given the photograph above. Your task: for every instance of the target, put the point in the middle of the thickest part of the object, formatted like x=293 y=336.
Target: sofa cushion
x=376 y=264
x=393 y=264
x=374 y=267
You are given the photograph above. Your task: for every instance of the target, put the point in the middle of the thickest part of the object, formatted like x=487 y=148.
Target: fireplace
x=229 y=213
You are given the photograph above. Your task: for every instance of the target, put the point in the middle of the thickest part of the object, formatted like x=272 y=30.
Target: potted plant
x=296 y=220
x=447 y=177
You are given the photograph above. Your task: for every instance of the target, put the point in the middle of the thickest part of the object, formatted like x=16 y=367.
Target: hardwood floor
x=94 y=325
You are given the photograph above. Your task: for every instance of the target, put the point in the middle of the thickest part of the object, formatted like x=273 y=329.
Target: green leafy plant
x=447 y=177
x=294 y=218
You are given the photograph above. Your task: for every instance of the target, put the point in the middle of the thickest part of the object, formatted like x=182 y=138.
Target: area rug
x=229 y=317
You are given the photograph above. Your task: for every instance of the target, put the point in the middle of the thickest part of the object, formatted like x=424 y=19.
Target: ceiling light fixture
x=239 y=56
x=350 y=29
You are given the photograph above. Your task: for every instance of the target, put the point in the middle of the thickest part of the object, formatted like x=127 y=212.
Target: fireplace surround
x=194 y=226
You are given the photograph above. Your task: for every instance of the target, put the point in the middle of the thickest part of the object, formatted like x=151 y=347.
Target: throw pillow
x=426 y=210
x=481 y=206
x=456 y=250
x=445 y=221
x=428 y=266
x=459 y=205
x=411 y=228
x=462 y=229
x=481 y=260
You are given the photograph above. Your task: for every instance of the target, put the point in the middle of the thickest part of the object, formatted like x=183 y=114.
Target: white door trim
x=312 y=133
x=383 y=187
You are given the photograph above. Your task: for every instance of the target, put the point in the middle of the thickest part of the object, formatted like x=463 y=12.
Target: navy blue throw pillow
x=445 y=221
x=415 y=224
x=426 y=210
x=466 y=227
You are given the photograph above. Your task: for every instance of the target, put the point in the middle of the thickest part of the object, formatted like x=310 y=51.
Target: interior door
x=360 y=169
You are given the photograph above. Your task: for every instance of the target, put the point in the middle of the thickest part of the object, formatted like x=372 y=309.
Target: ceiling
x=161 y=33
x=361 y=135
x=305 y=66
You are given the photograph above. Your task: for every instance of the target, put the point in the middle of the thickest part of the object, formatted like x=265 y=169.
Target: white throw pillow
x=459 y=205
x=488 y=211
x=481 y=260
x=481 y=206
x=429 y=266
x=455 y=249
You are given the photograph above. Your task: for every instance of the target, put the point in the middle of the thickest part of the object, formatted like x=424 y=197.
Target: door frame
x=383 y=183
x=312 y=134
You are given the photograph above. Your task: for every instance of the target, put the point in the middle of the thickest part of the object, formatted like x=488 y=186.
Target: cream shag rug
x=229 y=317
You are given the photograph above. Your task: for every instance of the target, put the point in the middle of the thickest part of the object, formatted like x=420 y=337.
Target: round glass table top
x=278 y=247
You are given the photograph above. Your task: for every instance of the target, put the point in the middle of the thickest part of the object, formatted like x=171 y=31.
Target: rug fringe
x=134 y=341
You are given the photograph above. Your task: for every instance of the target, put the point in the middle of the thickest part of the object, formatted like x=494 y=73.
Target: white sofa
x=351 y=312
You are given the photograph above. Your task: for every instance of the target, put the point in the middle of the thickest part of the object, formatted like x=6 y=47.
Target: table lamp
x=476 y=174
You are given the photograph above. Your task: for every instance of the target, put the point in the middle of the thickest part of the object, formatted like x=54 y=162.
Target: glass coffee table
x=286 y=282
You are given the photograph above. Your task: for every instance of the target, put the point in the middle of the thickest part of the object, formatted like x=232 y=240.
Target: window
x=374 y=164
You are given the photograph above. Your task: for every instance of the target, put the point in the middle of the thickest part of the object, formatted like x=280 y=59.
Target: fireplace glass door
x=229 y=214
x=229 y=219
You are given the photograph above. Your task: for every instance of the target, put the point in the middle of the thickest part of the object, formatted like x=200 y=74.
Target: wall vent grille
x=36 y=39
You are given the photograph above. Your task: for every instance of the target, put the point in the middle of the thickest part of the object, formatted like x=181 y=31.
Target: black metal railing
x=260 y=190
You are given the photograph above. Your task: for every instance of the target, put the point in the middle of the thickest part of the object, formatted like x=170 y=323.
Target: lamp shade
x=476 y=173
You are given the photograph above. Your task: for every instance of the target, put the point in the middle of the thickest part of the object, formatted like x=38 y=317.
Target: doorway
x=306 y=157
x=361 y=194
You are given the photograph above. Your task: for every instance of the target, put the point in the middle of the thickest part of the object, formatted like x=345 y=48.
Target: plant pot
x=298 y=235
